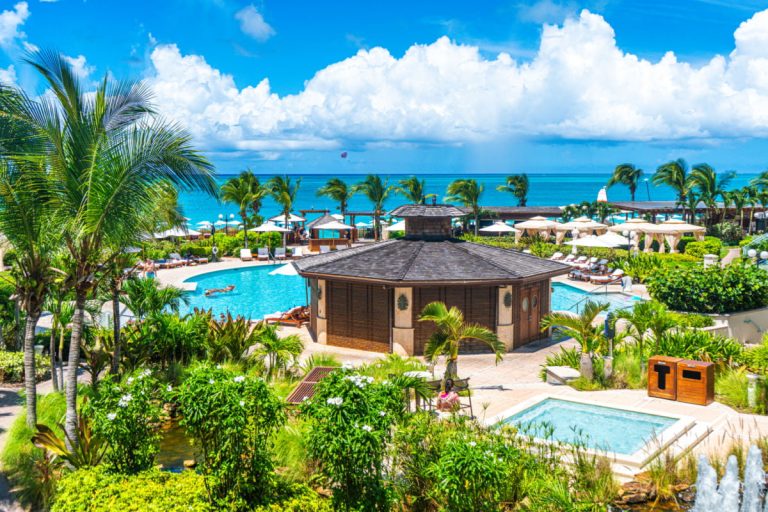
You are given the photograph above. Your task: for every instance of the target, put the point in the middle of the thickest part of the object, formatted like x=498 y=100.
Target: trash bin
x=695 y=382
x=662 y=377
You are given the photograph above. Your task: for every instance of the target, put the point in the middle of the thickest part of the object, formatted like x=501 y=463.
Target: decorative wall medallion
x=508 y=300
x=402 y=302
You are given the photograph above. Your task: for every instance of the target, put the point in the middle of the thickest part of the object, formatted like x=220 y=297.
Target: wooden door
x=525 y=309
x=530 y=313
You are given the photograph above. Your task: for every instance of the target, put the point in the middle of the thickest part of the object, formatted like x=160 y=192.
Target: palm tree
x=674 y=174
x=752 y=196
x=337 y=190
x=468 y=193
x=626 y=174
x=27 y=221
x=377 y=191
x=105 y=150
x=739 y=199
x=705 y=180
x=451 y=332
x=245 y=192
x=517 y=185
x=278 y=352
x=646 y=320
x=284 y=193
x=146 y=297
x=413 y=190
x=583 y=329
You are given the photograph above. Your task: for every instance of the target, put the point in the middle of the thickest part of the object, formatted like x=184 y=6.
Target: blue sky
x=421 y=86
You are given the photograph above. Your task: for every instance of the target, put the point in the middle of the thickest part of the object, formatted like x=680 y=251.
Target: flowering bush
x=231 y=419
x=12 y=367
x=351 y=418
x=126 y=414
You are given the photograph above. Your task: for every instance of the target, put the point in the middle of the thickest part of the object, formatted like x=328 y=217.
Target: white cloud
x=545 y=11
x=80 y=66
x=253 y=24
x=8 y=75
x=578 y=85
x=11 y=22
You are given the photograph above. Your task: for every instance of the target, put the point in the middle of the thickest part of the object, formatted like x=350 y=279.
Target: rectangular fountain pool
x=598 y=427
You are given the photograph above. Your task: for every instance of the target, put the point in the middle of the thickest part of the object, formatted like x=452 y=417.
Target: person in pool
x=213 y=291
x=448 y=400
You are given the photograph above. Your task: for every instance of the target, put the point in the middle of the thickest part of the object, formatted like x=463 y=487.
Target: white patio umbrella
x=614 y=238
x=498 y=227
x=362 y=224
x=335 y=225
x=204 y=224
x=397 y=226
x=591 y=241
x=270 y=227
x=338 y=216
x=291 y=218
x=220 y=223
x=175 y=233
x=284 y=270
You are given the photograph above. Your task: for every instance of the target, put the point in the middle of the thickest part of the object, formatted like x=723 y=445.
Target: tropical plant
x=628 y=175
x=231 y=419
x=583 y=330
x=517 y=185
x=284 y=192
x=468 y=193
x=145 y=297
x=640 y=266
x=377 y=191
x=244 y=191
x=229 y=338
x=413 y=189
x=699 y=345
x=674 y=174
x=337 y=190
x=710 y=245
x=451 y=332
x=277 y=352
x=104 y=152
x=87 y=451
x=645 y=321
x=710 y=186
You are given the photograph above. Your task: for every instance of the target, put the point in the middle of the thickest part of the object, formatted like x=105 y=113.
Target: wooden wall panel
x=358 y=316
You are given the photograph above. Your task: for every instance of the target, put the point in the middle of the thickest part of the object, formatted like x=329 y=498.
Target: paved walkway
x=10 y=408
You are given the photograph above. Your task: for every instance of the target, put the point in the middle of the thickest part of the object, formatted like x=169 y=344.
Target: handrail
x=755 y=241
x=587 y=296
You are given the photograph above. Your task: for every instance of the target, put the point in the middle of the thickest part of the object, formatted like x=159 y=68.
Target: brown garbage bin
x=662 y=377
x=695 y=382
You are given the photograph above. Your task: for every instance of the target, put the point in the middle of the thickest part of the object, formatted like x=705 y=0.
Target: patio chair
x=461 y=386
x=613 y=277
x=297 y=252
x=578 y=261
x=568 y=259
x=280 y=253
x=245 y=255
x=262 y=253
x=591 y=262
x=297 y=317
x=324 y=249
x=556 y=257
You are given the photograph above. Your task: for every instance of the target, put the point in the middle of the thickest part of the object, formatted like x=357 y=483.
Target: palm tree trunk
x=115 y=328
x=245 y=230
x=52 y=350
x=376 y=225
x=73 y=361
x=477 y=222
x=585 y=366
x=30 y=385
x=451 y=369
x=62 y=332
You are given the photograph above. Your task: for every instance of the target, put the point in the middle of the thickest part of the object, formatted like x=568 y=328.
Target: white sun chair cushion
x=245 y=255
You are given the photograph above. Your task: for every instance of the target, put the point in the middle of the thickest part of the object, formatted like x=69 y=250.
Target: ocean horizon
x=545 y=189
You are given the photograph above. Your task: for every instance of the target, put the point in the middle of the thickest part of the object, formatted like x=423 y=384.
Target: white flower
x=124 y=400
x=130 y=380
x=210 y=381
x=472 y=444
x=169 y=388
x=347 y=366
x=367 y=428
x=239 y=378
x=147 y=372
x=382 y=413
x=242 y=403
x=337 y=401
x=111 y=416
x=218 y=367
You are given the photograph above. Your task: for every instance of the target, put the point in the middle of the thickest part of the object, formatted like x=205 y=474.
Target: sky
x=443 y=86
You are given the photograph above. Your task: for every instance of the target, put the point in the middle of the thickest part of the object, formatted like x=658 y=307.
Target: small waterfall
x=731 y=495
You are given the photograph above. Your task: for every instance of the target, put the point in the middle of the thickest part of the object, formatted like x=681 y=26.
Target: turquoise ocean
x=556 y=189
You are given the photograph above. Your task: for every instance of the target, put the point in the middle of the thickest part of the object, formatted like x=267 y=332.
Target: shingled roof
x=318 y=222
x=426 y=210
x=423 y=261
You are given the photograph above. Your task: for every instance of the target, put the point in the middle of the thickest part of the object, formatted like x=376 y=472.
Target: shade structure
x=175 y=233
x=362 y=224
x=602 y=196
x=615 y=239
x=270 y=227
x=397 y=226
x=220 y=223
x=204 y=224
x=335 y=226
x=498 y=227
x=535 y=226
x=591 y=241
x=671 y=231
x=284 y=270
x=338 y=216
x=291 y=218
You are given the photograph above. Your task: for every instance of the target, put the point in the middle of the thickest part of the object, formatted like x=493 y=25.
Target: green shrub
x=692 y=320
x=729 y=232
x=699 y=345
x=95 y=490
x=756 y=358
x=628 y=371
x=565 y=357
x=737 y=287
x=710 y=245
x=299 y=498
x=12 y=367
x=731 y=387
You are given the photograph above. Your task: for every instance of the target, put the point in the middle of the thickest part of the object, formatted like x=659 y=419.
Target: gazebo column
x=648 y=242
x=322 y=318
x=505 y=328
x=403 y=332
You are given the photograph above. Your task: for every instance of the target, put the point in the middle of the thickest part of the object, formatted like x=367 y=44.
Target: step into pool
x=597 y=427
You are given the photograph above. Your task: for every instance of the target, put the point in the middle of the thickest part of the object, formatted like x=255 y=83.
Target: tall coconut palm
x=377 y=191
x=517 y=185
x=752 y=195
x=413 y=189
x=277 y=352
x=244 y=191
x=27 y=221
x=468 y=193
x=674 y=174
x=583 y=329
x=626 y=174
x=284 y=192
x=451 y=333
x=337 y=190
x=710 y=186
x=105 y=150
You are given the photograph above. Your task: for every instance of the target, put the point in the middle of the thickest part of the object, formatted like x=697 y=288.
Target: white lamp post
x=575 y=235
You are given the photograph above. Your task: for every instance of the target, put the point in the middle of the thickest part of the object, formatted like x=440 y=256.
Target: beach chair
x=262 y=253
x=613 y=277
x=245 y=255
x=578 y=261
x=461 y=386
x=568 y=259
x=297 y=252
x=588 y=264
x=297 y=317
x=280 y=253
x=324 y=249
x=556 y=257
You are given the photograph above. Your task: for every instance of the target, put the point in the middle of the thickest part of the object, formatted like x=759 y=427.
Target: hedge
x=710 y=245
x=12 y=367
x=737 y=287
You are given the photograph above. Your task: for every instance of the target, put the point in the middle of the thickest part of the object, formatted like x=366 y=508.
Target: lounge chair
x=262 y=253
x=591 y=262
x=280 y=253
x=297 y=316
x=556 y=257
x=581 y=260
x=324 y=249
x=613 y=277
x=569 y=259
x=245 y=255
x=296 y=252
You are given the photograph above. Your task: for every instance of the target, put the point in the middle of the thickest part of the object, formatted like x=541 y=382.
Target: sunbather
x=213 y=291
x=448 y=400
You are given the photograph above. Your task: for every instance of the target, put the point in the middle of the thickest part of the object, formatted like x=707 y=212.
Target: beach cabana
x=672 y=230
x=500 y=228
x=538 y=225
x=581 y=226
x=370 y=297
x=292 y=218
x=317 y=227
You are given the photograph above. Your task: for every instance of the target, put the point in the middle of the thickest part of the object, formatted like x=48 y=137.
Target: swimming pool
x=256 y=293
x=598 y=427
x=564 y=297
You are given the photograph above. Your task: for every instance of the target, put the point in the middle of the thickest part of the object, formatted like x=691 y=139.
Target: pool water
x=565 y=296
x=598 y=427
x=256 y=293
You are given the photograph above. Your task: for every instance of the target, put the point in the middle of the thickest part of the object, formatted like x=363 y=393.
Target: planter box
x=745 y=326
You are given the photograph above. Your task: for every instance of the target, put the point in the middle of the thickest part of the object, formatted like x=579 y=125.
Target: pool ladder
x=588 y=296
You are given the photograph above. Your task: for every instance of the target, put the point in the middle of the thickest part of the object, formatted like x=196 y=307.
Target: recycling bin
x=695 y=382
x=662 y=377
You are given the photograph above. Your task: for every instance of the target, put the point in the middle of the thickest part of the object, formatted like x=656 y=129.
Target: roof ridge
x=410 y=261
x=343 y=254
x=489 y=261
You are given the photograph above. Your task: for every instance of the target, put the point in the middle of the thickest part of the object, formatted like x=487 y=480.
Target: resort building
x=369 y=297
